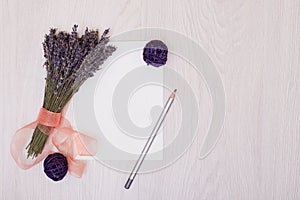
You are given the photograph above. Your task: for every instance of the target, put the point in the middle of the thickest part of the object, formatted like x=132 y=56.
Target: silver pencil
x=150 y=140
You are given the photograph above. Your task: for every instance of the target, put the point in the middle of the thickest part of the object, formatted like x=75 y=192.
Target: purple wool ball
x=155 y=53
x=56 y=166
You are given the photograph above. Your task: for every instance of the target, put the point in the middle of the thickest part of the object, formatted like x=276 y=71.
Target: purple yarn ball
x=155 y=53
x=56 y=166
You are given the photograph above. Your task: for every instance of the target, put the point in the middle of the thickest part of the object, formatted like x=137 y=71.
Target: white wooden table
x=255 y=45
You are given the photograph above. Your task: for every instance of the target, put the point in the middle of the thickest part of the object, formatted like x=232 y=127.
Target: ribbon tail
x=84 y=145
x=76 y=167
x=18 y=146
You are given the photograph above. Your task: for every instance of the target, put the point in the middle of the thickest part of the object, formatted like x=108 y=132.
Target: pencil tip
x=173 y=94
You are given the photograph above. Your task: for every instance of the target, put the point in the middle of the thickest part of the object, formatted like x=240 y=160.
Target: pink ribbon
x=68 y=142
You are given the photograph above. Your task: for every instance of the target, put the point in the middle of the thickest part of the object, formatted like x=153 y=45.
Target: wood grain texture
x=256 y=48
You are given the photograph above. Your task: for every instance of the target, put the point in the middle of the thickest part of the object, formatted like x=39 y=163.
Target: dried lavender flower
x=70 y=60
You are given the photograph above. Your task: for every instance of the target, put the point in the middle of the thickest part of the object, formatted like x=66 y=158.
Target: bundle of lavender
x=70 y=61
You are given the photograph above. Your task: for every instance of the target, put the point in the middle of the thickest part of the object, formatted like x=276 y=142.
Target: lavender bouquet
x=70 y=61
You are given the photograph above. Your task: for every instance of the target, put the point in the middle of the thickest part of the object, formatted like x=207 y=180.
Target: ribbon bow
x=67 y=141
